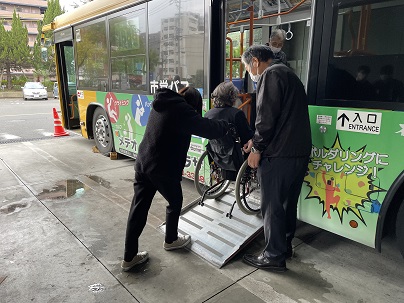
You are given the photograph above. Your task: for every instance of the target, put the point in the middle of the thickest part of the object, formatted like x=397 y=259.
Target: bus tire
x=400 y=229
x=102 y=131
x=202 y=170
x=246 y=184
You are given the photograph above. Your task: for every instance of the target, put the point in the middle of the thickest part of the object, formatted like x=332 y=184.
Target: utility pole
x=178 y=36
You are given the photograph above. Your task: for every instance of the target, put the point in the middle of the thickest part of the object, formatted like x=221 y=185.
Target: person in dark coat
x=225 y=151
x=387 y=88
x=363 y=88
x=159 y=164
x=280 y=149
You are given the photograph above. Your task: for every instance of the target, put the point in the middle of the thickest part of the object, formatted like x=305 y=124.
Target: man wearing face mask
x=280 y=149
x=276 y=41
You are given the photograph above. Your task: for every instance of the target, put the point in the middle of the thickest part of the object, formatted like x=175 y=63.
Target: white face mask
x=254 y=77
x=275 y=50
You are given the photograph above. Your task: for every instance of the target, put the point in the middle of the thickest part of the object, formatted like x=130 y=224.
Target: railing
x=246 y=105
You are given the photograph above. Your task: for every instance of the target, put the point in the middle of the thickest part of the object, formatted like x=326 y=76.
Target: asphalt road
x=26 y=120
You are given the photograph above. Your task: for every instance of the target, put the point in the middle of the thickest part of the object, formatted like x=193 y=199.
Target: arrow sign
x=359 y=121
x=343 y=117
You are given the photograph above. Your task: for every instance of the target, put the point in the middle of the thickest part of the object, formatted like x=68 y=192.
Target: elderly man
x=280 y=149
x=276 y=41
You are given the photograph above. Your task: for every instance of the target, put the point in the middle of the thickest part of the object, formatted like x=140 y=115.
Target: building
x=30 y=12
x=181 y=45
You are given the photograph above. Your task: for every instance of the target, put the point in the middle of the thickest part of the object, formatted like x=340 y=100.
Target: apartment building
x=30 y=12
x=181 y=44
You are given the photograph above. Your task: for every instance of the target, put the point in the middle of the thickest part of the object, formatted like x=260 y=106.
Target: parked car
x=34 y=90
x=55 y=90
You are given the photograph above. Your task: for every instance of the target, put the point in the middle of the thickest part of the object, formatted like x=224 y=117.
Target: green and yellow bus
x=348 y=53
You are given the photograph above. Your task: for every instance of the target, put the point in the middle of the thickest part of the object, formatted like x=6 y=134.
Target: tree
x=15 y=53
x=43 y=53
x=3 y=40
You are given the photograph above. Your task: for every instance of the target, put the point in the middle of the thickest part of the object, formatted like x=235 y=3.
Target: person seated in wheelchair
x=226 y=151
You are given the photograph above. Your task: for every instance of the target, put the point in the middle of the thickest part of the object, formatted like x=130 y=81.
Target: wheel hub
x=101 y=131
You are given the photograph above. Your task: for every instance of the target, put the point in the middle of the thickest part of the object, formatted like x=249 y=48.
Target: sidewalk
x=63 y=212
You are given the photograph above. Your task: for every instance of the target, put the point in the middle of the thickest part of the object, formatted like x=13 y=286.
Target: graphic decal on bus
x=343 y=180
x=401 y=131
x=141 y=109
x=128 y=115
x=112 y=107
x=173 y=85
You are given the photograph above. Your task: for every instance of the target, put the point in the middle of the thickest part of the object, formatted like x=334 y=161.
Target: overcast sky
x=66 y=4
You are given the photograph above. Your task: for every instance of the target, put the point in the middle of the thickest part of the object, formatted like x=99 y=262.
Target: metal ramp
x=215 y=237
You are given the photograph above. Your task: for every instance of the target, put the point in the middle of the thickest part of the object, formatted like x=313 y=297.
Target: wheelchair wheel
x=247 y=192
x=207 y=174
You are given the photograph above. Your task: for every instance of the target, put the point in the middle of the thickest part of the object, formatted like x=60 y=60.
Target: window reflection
x=128 y=52
x=176 y=42
x=92 y=60
x=368 y=59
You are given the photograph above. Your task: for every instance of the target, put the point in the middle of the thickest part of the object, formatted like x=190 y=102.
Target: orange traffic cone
x=59 y=130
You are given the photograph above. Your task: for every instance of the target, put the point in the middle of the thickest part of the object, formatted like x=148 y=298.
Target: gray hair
x=278 y=33
x=262 y=52
x=224 y=94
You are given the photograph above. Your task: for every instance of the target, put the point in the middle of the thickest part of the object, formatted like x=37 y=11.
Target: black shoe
x=265 y=263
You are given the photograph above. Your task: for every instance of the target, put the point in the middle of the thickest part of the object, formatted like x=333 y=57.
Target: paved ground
x=63 y=213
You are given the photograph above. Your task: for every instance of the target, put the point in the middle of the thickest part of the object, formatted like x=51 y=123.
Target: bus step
x=214 y=236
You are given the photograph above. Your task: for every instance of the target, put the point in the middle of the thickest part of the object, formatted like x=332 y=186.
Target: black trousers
x=145 y=188
x=281 y=181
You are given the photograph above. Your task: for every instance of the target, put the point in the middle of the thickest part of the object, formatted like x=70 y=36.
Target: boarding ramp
x=214 y=235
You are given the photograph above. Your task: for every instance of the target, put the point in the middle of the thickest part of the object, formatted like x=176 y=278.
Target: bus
x=349 y=54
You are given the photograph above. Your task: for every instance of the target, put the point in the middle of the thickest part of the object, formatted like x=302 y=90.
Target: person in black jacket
x=280 y=148
x=225 y=151
x=159 y=164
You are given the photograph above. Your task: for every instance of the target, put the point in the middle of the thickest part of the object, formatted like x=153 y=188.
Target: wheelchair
x=212 y=181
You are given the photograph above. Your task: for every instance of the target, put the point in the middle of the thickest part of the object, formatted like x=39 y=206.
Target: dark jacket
x=225 y=151
x=282 y=123
x=234 y=116
x=171 y=123
x=280 y=57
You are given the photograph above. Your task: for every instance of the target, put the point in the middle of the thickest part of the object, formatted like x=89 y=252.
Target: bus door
x=295 y=26
x=67 y=78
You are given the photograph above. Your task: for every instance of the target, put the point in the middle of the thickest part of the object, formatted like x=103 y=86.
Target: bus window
x=176 y=44
x=127 y=36
x=367 y=57
x=297 y=47
x=92 y=61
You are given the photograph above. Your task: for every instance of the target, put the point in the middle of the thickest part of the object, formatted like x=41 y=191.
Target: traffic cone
x=59 y=130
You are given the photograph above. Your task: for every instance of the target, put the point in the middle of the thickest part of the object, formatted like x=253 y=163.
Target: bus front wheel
x=400 y=228
x=102 y=131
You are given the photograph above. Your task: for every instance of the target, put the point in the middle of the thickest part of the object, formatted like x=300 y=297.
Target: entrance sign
x=359 y=121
